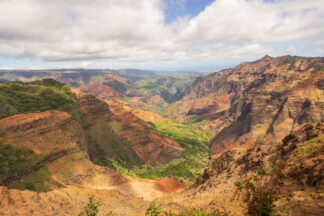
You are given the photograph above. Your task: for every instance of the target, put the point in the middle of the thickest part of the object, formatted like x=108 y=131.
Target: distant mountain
x=129 y=82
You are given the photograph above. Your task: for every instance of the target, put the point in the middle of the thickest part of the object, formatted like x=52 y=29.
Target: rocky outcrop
x=261 y=101
x=300 y=155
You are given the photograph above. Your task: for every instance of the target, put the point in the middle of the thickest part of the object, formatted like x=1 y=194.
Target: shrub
x=91 y=209
x=261 y=198
x=153 y=210
x=30 y=186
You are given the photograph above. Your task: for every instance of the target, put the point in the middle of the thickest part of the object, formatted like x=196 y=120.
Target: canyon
x=129 y=137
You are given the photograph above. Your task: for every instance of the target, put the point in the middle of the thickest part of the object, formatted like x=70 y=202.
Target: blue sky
x=170 y=35
x=181 y=8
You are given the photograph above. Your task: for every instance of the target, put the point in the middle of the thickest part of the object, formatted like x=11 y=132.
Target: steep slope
x=300 y=155
x=60 y=145
x=261 y=101
x=154 y=142
x=123 y=136
x=51 y=152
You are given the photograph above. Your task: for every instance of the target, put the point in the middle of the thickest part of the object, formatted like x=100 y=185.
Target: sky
x=164 y=35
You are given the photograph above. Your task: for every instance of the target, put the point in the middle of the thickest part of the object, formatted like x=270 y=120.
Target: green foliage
x=169 y=87
x=30 y=186
x=14 y=159
x=261 y=197
x=41 y=179
x=37 y=96
x=308 y=147
x=153 y=209
x=186 y=135
x=106 y=148
x=188 y=167
x=91 y=208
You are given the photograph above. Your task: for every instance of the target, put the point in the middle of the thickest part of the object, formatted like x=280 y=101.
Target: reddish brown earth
x=61 y=141
x=101 y=91
x=130 y=130
x=300 y=156
x=260 y=101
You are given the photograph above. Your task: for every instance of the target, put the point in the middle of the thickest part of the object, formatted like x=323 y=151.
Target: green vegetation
x=104 y=146
x=168 y=87
x=41 y=180
x=31 y=97
x=30 y=186
x=261 y=196
x=14 y=160
x=17 y=166
x=92 y=208
x=161 y=109
x=186 y=135
x=188 y=167
x=308 y=147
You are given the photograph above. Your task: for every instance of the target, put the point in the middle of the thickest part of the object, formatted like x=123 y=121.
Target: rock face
x=300 y=156
x=35 y=130
x=101 y=91
x=121 y=134
x=255 y=102
x=61 y=144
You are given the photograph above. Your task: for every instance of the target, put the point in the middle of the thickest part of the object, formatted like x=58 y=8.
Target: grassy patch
x=37 y=181
x=309 y=147
x=14 y=160
x=186 y=135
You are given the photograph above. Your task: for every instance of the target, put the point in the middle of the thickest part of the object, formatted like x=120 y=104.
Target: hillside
x=84 y=128
x=129 y=138
x=300 y=156
x=256 y=102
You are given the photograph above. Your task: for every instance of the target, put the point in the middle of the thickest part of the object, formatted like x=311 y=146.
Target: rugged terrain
x=124 y=136
x=300 y=156
x=255 y=102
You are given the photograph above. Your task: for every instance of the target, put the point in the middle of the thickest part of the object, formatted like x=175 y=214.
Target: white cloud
x=256 y=21
x=134 y=31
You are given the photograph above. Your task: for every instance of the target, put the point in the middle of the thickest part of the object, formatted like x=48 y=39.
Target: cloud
x=135 y=31
x=256 y=21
